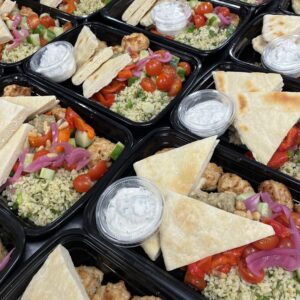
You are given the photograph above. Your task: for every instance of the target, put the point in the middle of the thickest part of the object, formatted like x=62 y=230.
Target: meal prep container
x=207 y=82
x=12 y=236
x=255 y=8
x=113 y=36
x=286 y=7
x=39 y=9
x=164 y=138
x=115 y=264
x=114 y=12
x=103 y=127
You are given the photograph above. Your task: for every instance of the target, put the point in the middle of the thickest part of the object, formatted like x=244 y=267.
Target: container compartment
x=286 y=7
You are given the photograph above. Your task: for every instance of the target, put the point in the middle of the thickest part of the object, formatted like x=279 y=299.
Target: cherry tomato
x=267 y=243
x=33 y=21
x=290 y=140
x=69 y=167
x=296 y=218
x=199 y=21
x=278 y=159
x=186 y=66
x=47 y=21
x=43 y=41
x=97 y=171
x=204 y=8
x=125 y=74
x=154 y=67
x=106 y=100
x=148 y=85
x=250 y=249
x=280 y=230
x=114 y=87
x=224 y=11
x=236 y=252
x=164 y=82
x=199 y=268
x=195 y=281
x=167 y=69
x=247 y=275
x=175 y=87
x=40 y=154
x=286 y=243
x=82 y=183
x=224 y=268
x=161 y=53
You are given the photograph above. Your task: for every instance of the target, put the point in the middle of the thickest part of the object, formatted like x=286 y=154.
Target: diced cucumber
x=181 y=72
x=143 y=54
x=34 y=39
x=49 y=35
x=82 y=139
x=174 y=61
x=9 y=24
x=19 y=199
x=132 y=80
x=40 y=29
x=28 y=159
x=72 y=142
x=117 y=150
x=213 y=20
x=44 y=15
x=193 y=3
x=58 y=30
x=47 y=173
x=244 y=196
x=264 y=209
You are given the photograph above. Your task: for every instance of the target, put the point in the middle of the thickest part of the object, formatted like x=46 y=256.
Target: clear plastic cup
x=124 y=222
x=206 y=122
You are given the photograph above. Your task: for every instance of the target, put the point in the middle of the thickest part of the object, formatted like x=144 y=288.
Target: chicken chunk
x=26 y=11
x=117 y=291
x=91 y=278
x=136 y=42
x=164 y=150
x=278 y=192
x=211 y=177
x=58 y=112
x=233 y=183
x=15 y=90
x=101 y=149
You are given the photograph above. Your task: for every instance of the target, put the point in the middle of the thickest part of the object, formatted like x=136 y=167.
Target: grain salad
x=87 y=7
x=22 y=51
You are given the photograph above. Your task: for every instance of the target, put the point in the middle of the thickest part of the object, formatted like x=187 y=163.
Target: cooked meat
x=136 y=42
x=91 y=278
x=3 y=251
x=211 y=177
x=15 y=90
x=99 y=293
x=115 y=291
x=233 y=183
x=145 y=298
x=42 y=123
x=164 y=150
x=278 y=192
x=101 y=149
x=26 y=11
x=58 y=112
x=224 y=201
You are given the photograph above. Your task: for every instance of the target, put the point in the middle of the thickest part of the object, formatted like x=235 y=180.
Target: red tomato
x=247 y=275
x=186 y=66
x=236 y=252
x=224 y=11
x=199 y=21
x=69 y=167
x=161 y=53
x=280 y=230
x=154 y=67
x=250 y=249
x=40 y=154
x=199 y=268
x=290 y=140
x=114 y=87
x=33 y=21
x=97 y=171
x=296 y=218
x=47 y=21
x=82 y=183
x=125 y=74
x=267 y=243
x=204 y=8
x=164 y=82
x=278 y=159
x=224 y=268
x=43 y=41
x=148 y=85
x=175 y=87
x=197 y=282
x=106 y=100
x=286 y=243
x=167 y=69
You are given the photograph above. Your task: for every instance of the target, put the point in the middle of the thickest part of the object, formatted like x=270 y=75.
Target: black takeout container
x=113 y=15
x=114 y=36
x=39 y=9
x=165 y=137
x=12 y=236
x=286 y=7
x=116 y=265
x=103 y=127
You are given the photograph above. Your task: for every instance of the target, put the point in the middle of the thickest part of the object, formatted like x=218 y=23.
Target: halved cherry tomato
x=224 y=268
x=154 y=67
x=247 y=275
x=125 y=74
x=97 y=171
x=175 y=87
x=82 y=183
x=69 y=167
x=71 y=115
x=47 y=21
x=33 y=21
x=286 y=243
x=278 y=159
x=199 y=21
x=148 y=85
x=222 y=260
x=67 y=26
x=186 y=66
x=236 y=252
x=82 y=126
x=164 y=82
x=280 y=230
x=250 y=249
x=106 y=100
x=161 y=53
x=267 y=243
x=195 y=281
x=40 y=154
x=70 y=6
x=37 y=141
x=114 y=87
x=296 y=219
x=167 y=69
x=290 y=140
x=201 y=267
x=225 y=11
x=204 y=8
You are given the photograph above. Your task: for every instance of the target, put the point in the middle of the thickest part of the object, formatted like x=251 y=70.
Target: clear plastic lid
x=129 y=211
x=206 y=112
x=283 y=55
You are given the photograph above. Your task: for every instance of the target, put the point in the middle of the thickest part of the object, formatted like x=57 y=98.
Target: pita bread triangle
x=264 y=119
x=192 y=230
x=179 y=169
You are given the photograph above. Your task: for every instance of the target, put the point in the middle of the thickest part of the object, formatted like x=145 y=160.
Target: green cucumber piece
x=193 y=3
x=9 y=24
x=191 y=28
x=58 y=30
x=23 y=23
x=49 y=35
x=143 y=54
x=174 y=61
x=181 y=72
x=264 y=209
x=72 y=142
x=19 y=199
x=40 y=29
x=34 y=39
x=213 y=20
x=132 y=80
x=244 y=196
x=82 y=139
x=28 y=159
x=47 y=173
x=117 y=151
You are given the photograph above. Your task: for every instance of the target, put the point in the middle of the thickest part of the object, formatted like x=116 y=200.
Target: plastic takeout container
x=275 y=59
x=286 y=7
x=123 y=208
x=199 y=121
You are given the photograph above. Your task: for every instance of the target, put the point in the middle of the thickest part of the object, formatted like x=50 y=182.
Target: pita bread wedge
x=140 y=13
x=232 y=83
x=11 y=118
x=51 y=3
x=296 y=6
x=192 y=230
x=5 y=35
x=131 y=9
x=56 y=279
x=152 y=247
x=92 y=65
x=179 y=169
x=147 y=19
x=34 y=104
x=12 y=150
x=7 y=7
x=275 y=26
x=85 y=46
x=259 y=44
x=105 y=74
x=264 y=119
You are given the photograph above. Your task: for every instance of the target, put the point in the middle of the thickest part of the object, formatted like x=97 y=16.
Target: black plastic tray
x=165 y=137
x=113 y=36
x=254 y=7
x=39 y=9
x=12 y=236
x=286 y=7
x=103 y=127
x=116 y=265
x=114 y=12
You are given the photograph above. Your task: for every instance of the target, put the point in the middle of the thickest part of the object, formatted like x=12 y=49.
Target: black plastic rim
x=286 y=7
